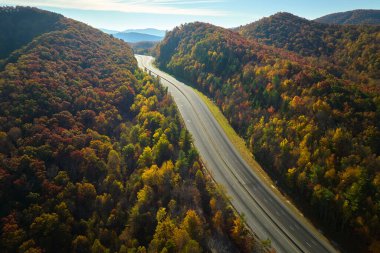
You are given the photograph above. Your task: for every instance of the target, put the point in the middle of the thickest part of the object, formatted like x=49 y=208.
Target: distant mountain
x=133 y=37
x=150 y=31
x=355 y=17
x=310 y=38
x=108 y=31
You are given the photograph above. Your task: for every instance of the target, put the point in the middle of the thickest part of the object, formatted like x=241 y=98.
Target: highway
x=264 y=212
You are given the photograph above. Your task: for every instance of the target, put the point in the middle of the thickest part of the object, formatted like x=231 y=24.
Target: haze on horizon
x=166 y=14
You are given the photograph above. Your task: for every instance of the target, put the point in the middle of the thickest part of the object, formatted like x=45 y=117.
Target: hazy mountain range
x=133 y=37
x=138 y=35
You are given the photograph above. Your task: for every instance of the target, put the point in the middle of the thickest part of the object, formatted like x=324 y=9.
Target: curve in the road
x=264 y=211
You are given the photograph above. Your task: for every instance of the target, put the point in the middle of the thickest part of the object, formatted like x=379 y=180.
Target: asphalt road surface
x=264 y=211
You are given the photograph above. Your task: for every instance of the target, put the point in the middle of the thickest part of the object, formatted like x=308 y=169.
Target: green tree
x=81 y=244
x=193 y=225
x=113 y=163
x=146 y=158
x=97 y=247
x=50 y=234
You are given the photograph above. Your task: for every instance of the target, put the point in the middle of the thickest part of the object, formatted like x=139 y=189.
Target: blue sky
x=166 y=14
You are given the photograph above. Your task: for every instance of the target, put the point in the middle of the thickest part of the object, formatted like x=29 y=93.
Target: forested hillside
x=19 y=28
x=93 y=156
x=355 y=49
x=355 y=17
x=146 y=48
x=311 y=130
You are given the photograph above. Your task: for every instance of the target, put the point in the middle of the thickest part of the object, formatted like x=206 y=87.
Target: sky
x=166 y=14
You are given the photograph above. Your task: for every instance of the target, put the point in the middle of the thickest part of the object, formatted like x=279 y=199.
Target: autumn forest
x=95 y=156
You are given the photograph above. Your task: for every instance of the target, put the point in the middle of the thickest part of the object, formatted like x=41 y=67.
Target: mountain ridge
x=354 y=17
x=134 y=37
x=150 y=31
x=17 y=33
x=324 y=41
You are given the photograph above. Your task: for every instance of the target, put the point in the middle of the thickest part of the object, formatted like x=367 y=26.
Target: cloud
x=170 y=7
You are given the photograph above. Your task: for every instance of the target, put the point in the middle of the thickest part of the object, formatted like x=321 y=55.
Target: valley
x=228 y=126
x=264 y=212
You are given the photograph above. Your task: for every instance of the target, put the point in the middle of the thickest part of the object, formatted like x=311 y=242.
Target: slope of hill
x=315 y=133
x=144 y=47
x=355 y=17
x=283 y=30
x=354 y=48
x=19 y=27
x=93 y=157
x=133 y=37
